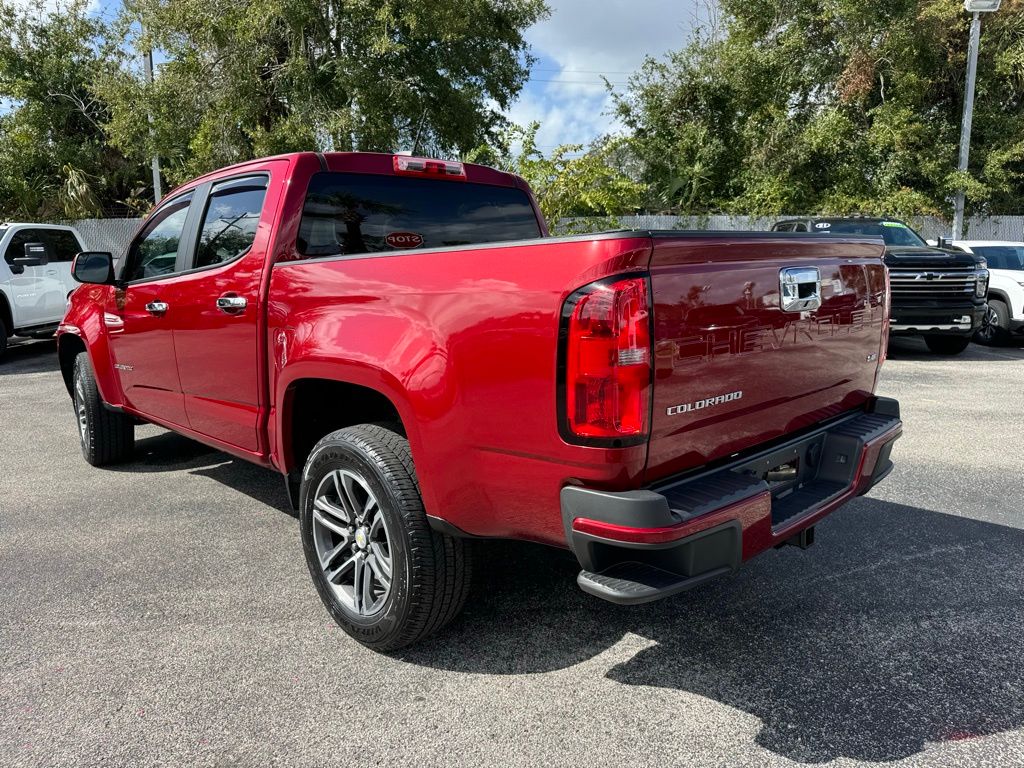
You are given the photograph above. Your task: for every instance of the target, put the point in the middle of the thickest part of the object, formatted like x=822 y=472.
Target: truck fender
x=84 y=329
x=344 y=372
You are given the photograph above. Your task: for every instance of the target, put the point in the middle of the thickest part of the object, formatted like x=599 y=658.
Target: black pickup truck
x=938 y=294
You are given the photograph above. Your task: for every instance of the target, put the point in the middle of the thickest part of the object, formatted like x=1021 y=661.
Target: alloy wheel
x=83 y=423
x=989 y=325
x=352 y=542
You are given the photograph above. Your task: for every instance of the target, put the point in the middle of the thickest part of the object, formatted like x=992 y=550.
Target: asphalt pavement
x=160 y=613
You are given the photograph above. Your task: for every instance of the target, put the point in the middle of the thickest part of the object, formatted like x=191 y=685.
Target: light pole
x=147 y=62
x=977 y=7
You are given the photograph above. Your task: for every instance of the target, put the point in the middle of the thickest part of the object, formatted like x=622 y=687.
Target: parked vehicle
x=936 y=293
x=399 y=338
x=1005 y=316
x=35 y=278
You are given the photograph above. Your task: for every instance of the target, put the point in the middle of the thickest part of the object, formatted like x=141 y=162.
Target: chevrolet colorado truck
x=936 y=293
x=402 y=341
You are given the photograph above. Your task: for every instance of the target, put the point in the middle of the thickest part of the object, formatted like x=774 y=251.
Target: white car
x=35 y=283
x=1005 y=315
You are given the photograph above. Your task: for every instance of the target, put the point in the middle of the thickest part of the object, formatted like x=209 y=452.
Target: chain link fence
x=110 y=235
x=113 y=235
x=929 y=227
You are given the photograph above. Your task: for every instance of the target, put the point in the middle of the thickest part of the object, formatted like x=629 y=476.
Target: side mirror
x=36 y=255
x=96 y=267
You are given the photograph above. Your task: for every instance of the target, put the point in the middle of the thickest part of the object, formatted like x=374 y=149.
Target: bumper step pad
x=637 y=583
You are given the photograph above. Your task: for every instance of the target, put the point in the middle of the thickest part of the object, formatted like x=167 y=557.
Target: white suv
x=1005 y=315
x=35 y=284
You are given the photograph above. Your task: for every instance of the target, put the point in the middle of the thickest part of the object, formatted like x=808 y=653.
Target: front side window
x=229 y=224
x=353 y=213
x=16 y=247
x=155 y=252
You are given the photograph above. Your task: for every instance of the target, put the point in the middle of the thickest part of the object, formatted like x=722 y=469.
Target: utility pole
x=147 y=60
x=977 y=7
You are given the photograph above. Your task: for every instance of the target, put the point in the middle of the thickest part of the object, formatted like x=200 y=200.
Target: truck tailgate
x=733 y=368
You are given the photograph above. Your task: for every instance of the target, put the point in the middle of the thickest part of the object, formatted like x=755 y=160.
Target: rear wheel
x=947 y=345
x=995 y=327
x=384 y=575
x=106 y=437
x=3 y=337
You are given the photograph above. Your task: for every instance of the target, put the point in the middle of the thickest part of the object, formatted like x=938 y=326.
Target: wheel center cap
x=361 y=538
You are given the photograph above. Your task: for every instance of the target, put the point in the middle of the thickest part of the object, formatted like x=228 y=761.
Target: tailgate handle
x=799 y=289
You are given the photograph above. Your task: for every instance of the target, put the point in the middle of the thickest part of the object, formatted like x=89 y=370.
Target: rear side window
x=353 y=213
x=229 y=223
x=63 y=245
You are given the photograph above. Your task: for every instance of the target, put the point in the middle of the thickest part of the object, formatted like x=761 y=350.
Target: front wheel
x=106 y=437
x=995 y=327
x=947 y=345
x=384 y=575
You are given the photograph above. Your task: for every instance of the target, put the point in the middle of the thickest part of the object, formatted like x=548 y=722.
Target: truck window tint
x=155 y=251
x=229 y=224
x=1002 y=256
x=16 y=247
x=63 y=245
x=352 y=213
x=893 y=233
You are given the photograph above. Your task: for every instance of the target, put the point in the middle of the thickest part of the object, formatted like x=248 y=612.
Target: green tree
x=54 y=158
x=244 y=79
x=838 y=106
x=570 y=182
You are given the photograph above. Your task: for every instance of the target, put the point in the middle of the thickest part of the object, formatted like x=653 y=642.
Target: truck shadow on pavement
x=901 y=627
x=914 y=348
x=171 y=452
x=30 y=357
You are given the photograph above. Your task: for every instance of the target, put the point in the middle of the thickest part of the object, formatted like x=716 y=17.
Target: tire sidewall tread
x=430 y=570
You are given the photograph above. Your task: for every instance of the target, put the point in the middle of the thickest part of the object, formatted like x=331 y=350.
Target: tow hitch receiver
x=804 y=539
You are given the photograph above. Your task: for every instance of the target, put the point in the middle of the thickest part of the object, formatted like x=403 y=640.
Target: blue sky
x=584 y=39
x=580 y=41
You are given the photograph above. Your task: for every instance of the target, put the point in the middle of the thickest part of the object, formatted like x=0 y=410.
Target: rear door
x=217 y=320
x=737 y=362
x=63 y=247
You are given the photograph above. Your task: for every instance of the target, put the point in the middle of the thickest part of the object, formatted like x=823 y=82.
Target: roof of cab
x=358 y=162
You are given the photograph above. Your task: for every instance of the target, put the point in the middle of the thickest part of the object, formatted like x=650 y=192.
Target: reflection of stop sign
x=404 y=239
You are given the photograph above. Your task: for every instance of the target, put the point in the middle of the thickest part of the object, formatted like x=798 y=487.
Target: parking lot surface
x=160 y=613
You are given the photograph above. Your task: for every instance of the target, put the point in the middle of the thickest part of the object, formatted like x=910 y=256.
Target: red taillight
x=607 y=391
x=421 y=166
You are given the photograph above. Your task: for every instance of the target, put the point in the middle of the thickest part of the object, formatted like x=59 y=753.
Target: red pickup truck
x=402 y=341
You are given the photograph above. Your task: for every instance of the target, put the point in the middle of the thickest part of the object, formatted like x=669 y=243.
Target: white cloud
x=584 y=39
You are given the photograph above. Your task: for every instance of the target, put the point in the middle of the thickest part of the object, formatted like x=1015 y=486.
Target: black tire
x=3 y=337
x=995 y=328
x=430 y=572
x=947 y=345
x=107 y=437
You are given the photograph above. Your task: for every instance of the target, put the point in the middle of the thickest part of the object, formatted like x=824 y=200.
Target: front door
x=216 y=321
x=37 y=292
x=140 y=318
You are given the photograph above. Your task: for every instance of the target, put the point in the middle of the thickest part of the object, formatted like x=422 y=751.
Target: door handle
x=51 y=271
x=231 y=304
x=157 y=307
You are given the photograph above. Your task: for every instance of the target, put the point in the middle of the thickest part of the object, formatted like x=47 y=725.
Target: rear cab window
x=359 y=213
